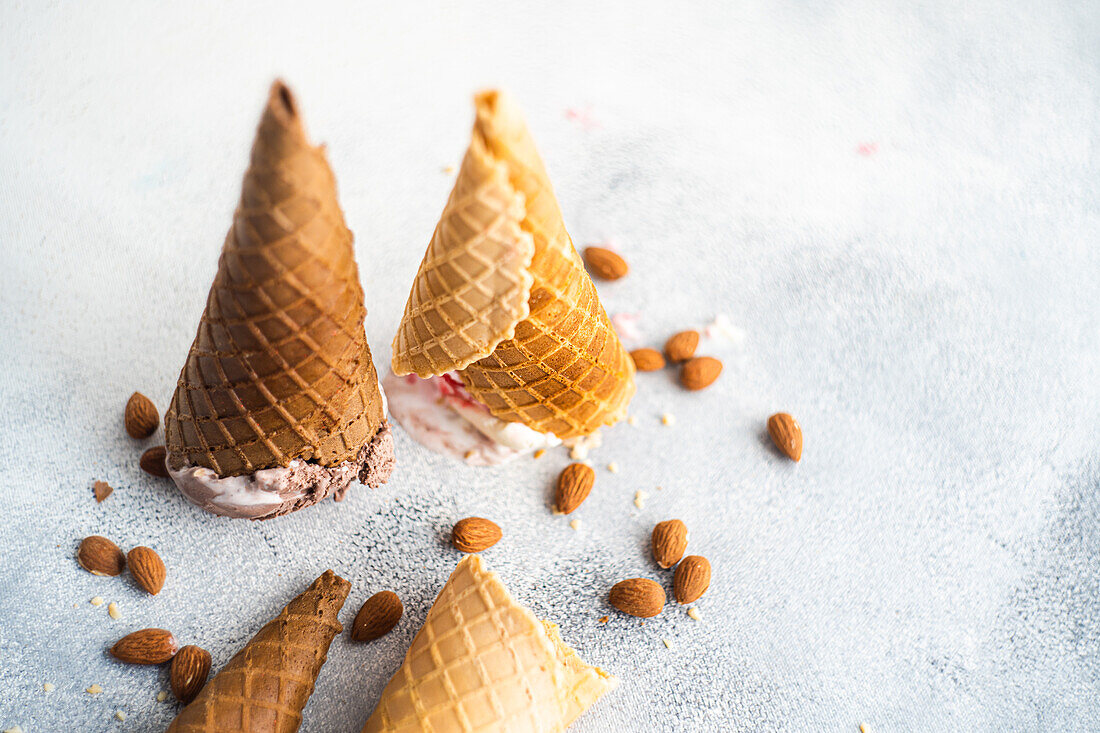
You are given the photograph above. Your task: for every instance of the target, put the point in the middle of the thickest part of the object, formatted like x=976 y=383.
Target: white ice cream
x=441 y=415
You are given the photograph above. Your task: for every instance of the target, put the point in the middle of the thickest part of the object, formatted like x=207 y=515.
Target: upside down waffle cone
x=483 y=663
x=264 y=688
x=503 y=297
x=280 y=368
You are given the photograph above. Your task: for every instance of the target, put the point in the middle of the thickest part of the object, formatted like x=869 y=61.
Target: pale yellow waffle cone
x=280 y=368
x=264 y=688
x=557 y=365
x=484 y=663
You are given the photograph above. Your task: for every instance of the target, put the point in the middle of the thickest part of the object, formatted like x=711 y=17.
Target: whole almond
x=152 y=461
x=148 y=646
x=574 y=486
x=681 y=346
x=141 y=418
x=379 y=614
x=638 y=597
x=692 y=578
x=670 y=539
x=605 y=264
x=147 y=568
x=647 y=360
x=99 y=556
x=786 y=434
x=188 y=673
x=474 y=534
x=101 y=490
x=700 y=372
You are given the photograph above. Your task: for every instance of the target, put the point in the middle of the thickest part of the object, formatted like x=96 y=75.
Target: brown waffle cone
x=280 y=368
x=482 y=663
x=557 y=365
x=267 y=684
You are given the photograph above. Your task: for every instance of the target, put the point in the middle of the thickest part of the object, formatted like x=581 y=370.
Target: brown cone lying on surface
x=267 y=684
x=482 y=662
x=280 y=368
x=503 y=297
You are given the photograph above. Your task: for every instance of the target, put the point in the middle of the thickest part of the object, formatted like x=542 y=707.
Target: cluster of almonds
x=100 y=556
x=645 y=598
x=190 y=664
x=696 y=372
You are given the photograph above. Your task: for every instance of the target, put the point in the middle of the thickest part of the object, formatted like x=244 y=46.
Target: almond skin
x=786 y=434
x=700 y=372
x=647 y=360
x=692 y=578
x=474 y=534
x=639 y=597
x=152 y=461
x=188 y=673
x=148 y=646
x=99 y=556
x=670 y=539
x=147 y=568
x=101 y=490
x=605 y=264
x=141 y=418
x=681 y=346
x=574 y=486
x=379 y=614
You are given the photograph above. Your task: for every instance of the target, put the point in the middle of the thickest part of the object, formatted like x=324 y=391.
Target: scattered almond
x=574 y=486
x=147 y=568
x=647 y=360
x=148 y=646
x=99 y=556
x=474 y=534
x=152 y=461
x=379 y=614
x=188 y=673
x=681 y=346
x=700 y=372
x=638 y=597
x=670 y=539
x=786 y=434
x=605 y=264
x=141 y=418
x=692 y=578
x=101 y=490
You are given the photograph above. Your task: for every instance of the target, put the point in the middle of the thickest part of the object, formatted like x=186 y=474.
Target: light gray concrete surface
x=896 y=204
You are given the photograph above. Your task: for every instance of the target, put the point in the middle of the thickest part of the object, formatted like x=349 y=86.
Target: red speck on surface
x=867 y=149
x=582 y=117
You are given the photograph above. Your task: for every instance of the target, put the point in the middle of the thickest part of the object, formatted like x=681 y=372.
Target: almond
x=681 y=346
x=101 y=490
x=786 y=434
x=152 y=461
x=605 y=264
x=148 y=646
x=670 y=539
x=188 y=673
x=141 y=418
x=647 y=360
x=474 y=534
x=638 y=597
x=379 y=614
x=147 y=568
x=574 y=486
x=700 y=372
x=99 y=556
x=692 y=578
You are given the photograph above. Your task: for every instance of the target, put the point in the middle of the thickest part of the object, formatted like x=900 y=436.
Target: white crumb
x=694 y=613
x=16 y=729
x=722 y=327
x=162 y=696
x=667 y=643
x=94 y=690
x=668 y=419
x=613 y=467
x=576 y=525
x=639 y=499
x=48 y=687
x=97 y=601
x=120 y=715
x=113 y=612
x=631 y=420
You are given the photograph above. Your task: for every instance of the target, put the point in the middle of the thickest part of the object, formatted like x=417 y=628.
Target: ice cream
x=440 y=414
x=272 y=492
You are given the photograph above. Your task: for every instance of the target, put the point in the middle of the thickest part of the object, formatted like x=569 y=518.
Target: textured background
x=896 y=203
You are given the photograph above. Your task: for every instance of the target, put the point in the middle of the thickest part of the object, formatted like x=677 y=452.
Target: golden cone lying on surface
x=503 y=298
x=482 y=663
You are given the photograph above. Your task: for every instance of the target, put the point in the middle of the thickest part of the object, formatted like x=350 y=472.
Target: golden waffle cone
x=264 y=688
x=553 y=363
x=280 y=368
x=483 y=663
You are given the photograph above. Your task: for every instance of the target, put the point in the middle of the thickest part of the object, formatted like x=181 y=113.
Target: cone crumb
x=448 y=169
x=864 y=728
x=694 y=613
x=120 y=715
x=668 y=419
x=94 y=690
x=162 y=696
x=604 y=619
x=639 y=499
x=667 y=643
x=113 y=612
x=16 y=729
x=539 y=453
x=48 y=687
x=576 y=525
x=96 y=601
x=613 y=467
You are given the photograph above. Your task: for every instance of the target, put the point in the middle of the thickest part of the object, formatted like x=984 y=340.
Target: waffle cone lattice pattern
x=267 y=684
x=280 y=368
